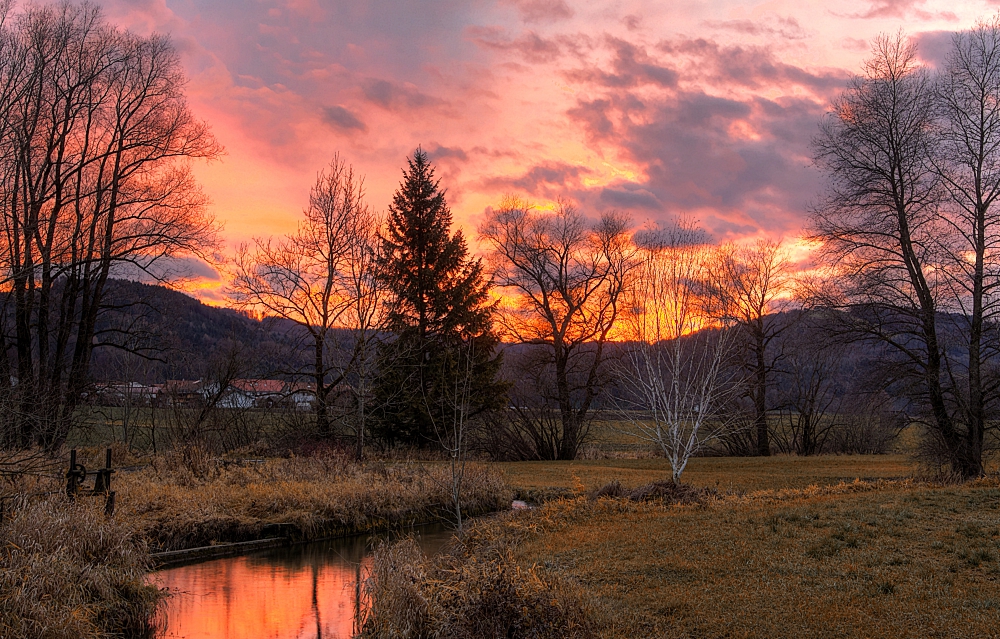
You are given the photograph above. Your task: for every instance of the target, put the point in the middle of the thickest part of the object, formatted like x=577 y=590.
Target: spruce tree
x=440 y=317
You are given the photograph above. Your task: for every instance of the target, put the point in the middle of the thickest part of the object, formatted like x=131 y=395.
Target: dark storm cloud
x=341 y=118
x=393 y=95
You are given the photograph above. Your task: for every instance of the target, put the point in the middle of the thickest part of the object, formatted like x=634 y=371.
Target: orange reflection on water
x=247 y=598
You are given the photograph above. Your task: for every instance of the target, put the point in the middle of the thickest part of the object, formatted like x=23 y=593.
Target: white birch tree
x=674 y=374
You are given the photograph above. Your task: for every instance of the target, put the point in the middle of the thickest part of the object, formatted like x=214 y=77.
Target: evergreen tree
x=441 y=316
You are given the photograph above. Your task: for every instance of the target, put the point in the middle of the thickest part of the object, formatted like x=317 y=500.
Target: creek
x=304 y=591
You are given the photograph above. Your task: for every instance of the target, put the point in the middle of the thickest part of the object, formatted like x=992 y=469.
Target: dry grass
x=195 y=501
x=477 y=591
x=539 y=480
x=861 y=559
x=68 y=572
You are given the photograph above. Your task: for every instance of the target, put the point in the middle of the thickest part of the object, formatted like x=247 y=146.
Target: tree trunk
x=760 y=397
x=322 y=412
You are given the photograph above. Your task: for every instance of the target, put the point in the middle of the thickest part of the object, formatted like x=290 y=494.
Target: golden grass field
x=860 y=559
x=721 y=473
x=834 y=546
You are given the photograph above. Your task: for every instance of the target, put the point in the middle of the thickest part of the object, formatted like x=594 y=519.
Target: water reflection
x=306 y=591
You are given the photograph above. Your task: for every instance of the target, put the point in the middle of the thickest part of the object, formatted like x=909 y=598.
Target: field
x=726 y=474
x=788 y=552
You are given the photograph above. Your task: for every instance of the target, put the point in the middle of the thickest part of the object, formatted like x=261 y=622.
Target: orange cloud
x=705 y=110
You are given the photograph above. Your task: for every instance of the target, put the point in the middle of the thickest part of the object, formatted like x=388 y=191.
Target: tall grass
x=183 y=502
x=476 y=591
x=68 y=572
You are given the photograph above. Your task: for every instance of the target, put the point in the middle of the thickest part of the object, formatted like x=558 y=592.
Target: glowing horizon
x=661 y=109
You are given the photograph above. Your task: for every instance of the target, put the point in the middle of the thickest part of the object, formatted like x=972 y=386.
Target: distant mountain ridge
x=182 y=338
x=178 y=335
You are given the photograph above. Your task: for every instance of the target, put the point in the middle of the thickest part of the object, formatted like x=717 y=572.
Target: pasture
x=826 y=546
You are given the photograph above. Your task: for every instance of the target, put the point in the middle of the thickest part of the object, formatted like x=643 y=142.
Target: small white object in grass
x=517 y=504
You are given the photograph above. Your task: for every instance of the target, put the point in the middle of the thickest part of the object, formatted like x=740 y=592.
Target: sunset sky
x=657 y=108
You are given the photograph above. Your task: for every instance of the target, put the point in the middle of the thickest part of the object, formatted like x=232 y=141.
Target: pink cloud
x=542 y=10
x=783 y=27
x=903 y=9
x=646 y=106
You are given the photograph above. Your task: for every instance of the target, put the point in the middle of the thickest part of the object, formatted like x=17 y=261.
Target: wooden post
x=102 y=483
x=74 y=476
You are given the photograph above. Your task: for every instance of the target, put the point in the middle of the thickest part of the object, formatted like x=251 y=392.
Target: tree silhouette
x=322 y=279
x=908 y=228
x=440 y=302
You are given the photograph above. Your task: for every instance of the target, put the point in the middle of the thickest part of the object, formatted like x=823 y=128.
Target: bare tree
x=321 y=278
x=880 y=224
x=908 y=226
x=675 y=373
x=754 y=283
x=967 y=158
x=811 y=397
x=95 y=135
x=365 y=316
x=563 y=277
x=201 y=411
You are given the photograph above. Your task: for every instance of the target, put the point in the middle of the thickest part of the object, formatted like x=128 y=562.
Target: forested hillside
x=167 y=334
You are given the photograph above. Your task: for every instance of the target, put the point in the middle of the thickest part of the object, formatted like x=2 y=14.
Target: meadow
x=781 y=546
x=833 y=546
x=726 y=474
x=860 y=559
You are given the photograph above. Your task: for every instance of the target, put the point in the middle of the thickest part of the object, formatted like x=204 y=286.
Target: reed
x=178 y=504
x=66 y=571
x=477 y=590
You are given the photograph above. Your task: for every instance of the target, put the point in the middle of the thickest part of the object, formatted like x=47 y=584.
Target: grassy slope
x=867 y=559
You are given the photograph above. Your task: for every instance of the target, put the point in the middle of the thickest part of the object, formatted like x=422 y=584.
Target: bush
x=672 y=493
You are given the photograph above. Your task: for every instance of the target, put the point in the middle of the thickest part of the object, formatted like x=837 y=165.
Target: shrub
x=672 y=493
x=612 y=489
